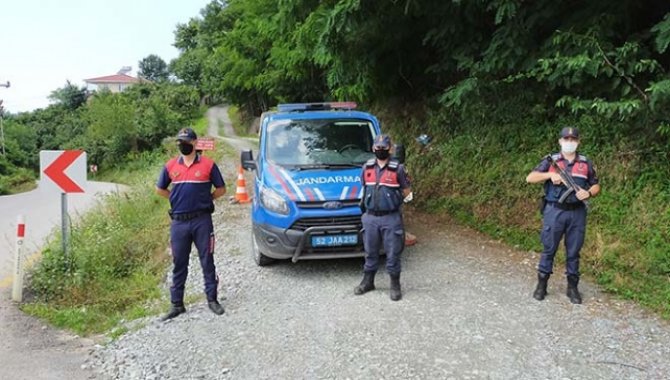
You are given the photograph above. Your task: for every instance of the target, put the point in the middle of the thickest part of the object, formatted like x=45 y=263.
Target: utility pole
x=2 y=111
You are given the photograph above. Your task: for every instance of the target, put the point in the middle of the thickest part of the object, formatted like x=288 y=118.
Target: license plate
x=334 y=240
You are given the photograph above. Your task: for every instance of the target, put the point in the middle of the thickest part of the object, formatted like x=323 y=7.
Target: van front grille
x=319 y=204
x=305 y=223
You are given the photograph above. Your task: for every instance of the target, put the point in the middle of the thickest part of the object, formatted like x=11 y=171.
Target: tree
x=69 y=96
x=153 y=68
x=112 y=131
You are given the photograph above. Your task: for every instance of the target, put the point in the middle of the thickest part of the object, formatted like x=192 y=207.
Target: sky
x=44 y=43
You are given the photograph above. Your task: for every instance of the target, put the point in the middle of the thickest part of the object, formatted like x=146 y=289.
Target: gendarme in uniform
x=386 y=185
x=564 y=216
x=191 y=199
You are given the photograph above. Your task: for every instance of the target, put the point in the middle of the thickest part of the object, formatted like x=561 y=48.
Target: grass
x=200 y=126
x=240 y=124
x=20 y=181
x=23 y=187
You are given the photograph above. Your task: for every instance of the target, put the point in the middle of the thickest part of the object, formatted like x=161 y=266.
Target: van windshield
x=316 y=144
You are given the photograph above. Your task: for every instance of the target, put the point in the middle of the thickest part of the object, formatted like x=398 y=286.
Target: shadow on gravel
x=318 y=268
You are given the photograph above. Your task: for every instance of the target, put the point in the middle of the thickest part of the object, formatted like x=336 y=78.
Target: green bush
x=20 y=180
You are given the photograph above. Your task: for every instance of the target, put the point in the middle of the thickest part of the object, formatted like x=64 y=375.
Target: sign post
x=53 y=167
x=17 y=285
x=64 y=223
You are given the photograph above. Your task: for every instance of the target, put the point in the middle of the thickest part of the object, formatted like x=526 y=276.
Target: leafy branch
x=621 y=73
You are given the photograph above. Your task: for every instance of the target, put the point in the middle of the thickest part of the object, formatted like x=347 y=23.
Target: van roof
x=327 y=106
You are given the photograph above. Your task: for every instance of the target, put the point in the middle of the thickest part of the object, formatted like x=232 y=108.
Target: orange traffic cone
x=241 y=195
x=409 y=239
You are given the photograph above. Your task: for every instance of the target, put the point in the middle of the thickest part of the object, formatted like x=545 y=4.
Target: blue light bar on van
x=289 y=107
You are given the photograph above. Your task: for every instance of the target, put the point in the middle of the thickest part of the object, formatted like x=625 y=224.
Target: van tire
x=260 y=259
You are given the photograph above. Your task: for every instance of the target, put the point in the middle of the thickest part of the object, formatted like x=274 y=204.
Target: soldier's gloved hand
x=409 y=197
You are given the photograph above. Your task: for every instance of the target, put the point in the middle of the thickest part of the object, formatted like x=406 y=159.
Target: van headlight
x=272 y=201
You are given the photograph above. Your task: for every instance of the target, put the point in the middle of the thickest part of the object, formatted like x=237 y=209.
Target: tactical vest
x=579 y=171
x=191 y=186
x=382 y=194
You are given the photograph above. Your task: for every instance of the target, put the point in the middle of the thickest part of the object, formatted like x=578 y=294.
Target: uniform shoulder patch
x=393 y=164
x=371 y=162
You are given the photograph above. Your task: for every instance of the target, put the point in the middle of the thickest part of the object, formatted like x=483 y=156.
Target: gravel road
x=467 y=313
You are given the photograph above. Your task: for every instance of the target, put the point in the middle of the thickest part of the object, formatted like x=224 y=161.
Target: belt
x=381 y=213
x=567 y=206
x=188 y=215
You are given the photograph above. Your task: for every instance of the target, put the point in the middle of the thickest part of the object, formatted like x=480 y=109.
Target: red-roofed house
x=115 y=83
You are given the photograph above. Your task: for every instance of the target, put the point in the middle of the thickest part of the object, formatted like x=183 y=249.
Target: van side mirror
x=399 y=152
x=247 y=160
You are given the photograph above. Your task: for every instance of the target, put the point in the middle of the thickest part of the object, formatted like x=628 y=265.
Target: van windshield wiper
x=326 y=166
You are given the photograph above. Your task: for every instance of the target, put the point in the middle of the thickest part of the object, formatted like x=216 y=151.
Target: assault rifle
x=568 y=181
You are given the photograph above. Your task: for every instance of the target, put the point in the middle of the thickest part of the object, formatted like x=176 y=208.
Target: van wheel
x=260 y=259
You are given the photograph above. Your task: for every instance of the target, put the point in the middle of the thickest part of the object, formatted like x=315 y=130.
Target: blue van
x=307 y=184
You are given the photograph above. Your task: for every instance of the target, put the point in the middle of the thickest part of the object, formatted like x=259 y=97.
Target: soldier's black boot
x=215 y=307
x=541 y=288
x=573 y=292
x=367 y=284
x=395 y=287
x=175 y=310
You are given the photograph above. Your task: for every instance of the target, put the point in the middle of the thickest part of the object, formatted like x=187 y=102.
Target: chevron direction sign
x=63 y=171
